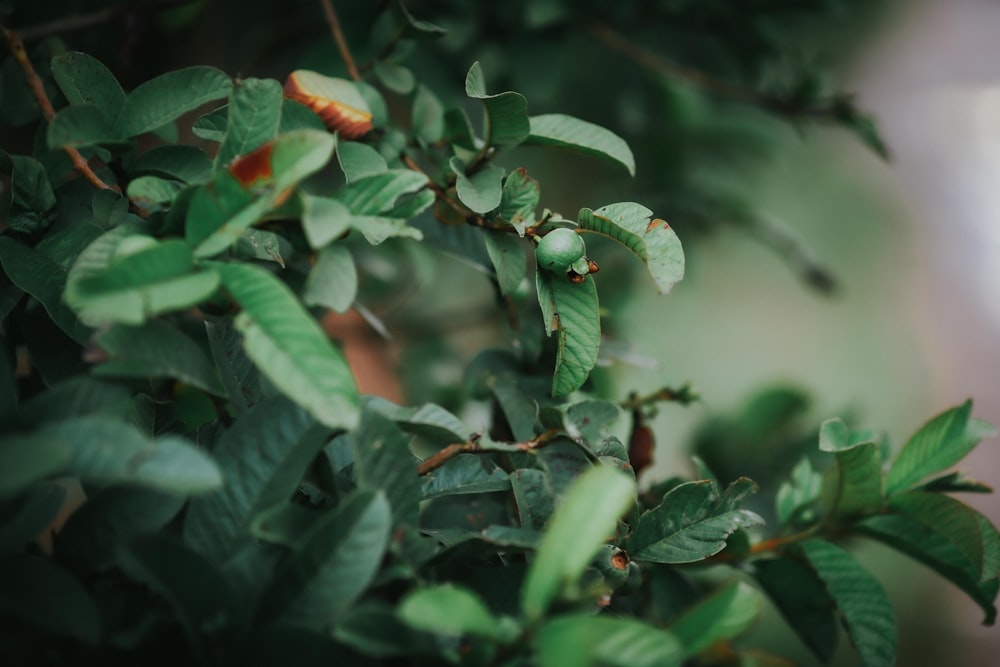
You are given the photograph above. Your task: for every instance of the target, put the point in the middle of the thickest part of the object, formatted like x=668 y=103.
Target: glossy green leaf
x=448 y=610
x=290 y=348
x=690 y=524
x=588 y=513
x=39 y=276
x=382 y=462
x=333 y=280
x=464 y=474
x=254 y=116
x=564 y=131
x=652 y=241
x=238 y=374
x=40 y=592
x=939 y=444
x=85 y=80
x=358 y=160
x=483 y=190
x=803 y=602
x=864 y=608
x=572 y=311
x=950 y=518
x=79 y=126
x=723 y=615
x=428 y=116
x=218 y=217
x=507 y=123
x=586 y=640
x=137 y=279
x=263 y=456
x=185 y=163
x=166 y=97
x=507 y=253
x=334 y=565
x=854 y=484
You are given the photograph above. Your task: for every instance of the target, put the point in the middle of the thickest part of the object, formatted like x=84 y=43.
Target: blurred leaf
x=395 y=77
x=382 y=462
x=78 y=126
x=507 y=122
x=864 y=608
x=590 y=419
x=866 y=129
x=79 y=396
x=166 y=97
x=263 y=245
x=416 y=28
x=335 y=564
x=358 y=160
x=263 y=456
x=24 y=518
x=429 y=421
x=31 y=198
x=482 y=191
x=588 y=513
x=564 y=131
x=509 y=260
x=940 y=443
x=85 y=80
x=186 y=163
x=585 y=640
x=652 y=241
x=324 y=219
x=295 y=116
x=45 y=595
x=951 y=519
x=254 y=115
x=448 y=610
x=690 y=524
x=854 y=485
x=535 y=502
x=801 y=490
x=238 y=374
x=289 y=347
x=333 y=280
x=428 y=116
x=955 y=482
x=803 y=602
x=723 y=615
x=572 y=311
x=152 y=192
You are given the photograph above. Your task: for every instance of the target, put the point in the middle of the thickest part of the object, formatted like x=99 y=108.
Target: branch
x=338 y=37
x=16 y=47
x=438 y=459
x=683 y=395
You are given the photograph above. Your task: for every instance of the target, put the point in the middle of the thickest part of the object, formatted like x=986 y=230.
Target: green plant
x=162 y=352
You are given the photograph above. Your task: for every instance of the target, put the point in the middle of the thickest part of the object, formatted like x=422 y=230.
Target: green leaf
x=448 y=610
x=955 y=482
x=218 y=216
x=263 y=456
x=297 y=116
x=333 y=280
x=79 y=396
x=801 y=490
x=31 y=196
x=940 y=443
x=358 y=160
x=79 y=126
x=24 y=518
x=864 y=608
x=85 y=80
x=802 y=600
x=324 y=219
x=428 y=116
x=586 y=640
x=382 y=462
x=723 y=615
x=39 y=276
x=429 y=421
x=211 y=126
x=263 y=245
x=564 y=131
x=254 y=116
x=507 y=123
x=239 y=376
x=519 y=199
x=38 y=591
x=588 y=513
x=156 y=349
x=290 y=348
x=509 y=260
x=482 y=191
x=690 y=524
x=535 y=503
x=572 y=311
x=335 y=564
x=950 y=518
x=168 y=96
x=464 y=474
x=185 y=163
x=652 y=241
x=415 y=28
x=199 y=594
x=137 y=279
x=854 y=484
x=395 y=77
x=913 y=538
x=152 y=192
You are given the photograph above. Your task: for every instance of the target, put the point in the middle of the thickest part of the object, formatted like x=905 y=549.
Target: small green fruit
x=559 y=249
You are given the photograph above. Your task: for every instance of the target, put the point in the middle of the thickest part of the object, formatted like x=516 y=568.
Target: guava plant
x=168 y=253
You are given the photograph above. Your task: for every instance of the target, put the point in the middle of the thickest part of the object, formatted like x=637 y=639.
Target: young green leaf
x=854 y=485
x=587 y=515
x=723 y=615
x=507 y=123
x=564 y=131
x=585 y=640
x=333 y=280
x=483 y=190
x=571 y=310
x=166 y=97
x=448 y=610
x=652 y=241
x=254 y=116
x=864 y=608
x=290 y=348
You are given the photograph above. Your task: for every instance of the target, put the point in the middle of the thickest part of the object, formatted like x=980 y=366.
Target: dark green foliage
x=166 y=356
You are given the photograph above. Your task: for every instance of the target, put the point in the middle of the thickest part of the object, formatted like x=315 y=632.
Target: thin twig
x=82 y=21
x=338 y=37
x=441 y=457
x=683 y=395
x=17 y=50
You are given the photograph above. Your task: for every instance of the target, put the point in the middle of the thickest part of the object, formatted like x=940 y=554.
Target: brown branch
x=338 y=37
x=441 y=457
x=17 y=50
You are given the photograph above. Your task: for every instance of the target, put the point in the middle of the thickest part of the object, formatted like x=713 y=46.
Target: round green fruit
x=559 y=249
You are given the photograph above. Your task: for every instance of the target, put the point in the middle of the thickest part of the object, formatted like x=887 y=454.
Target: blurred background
x=822 y=279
